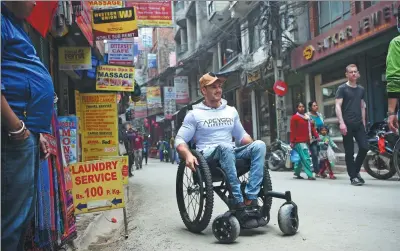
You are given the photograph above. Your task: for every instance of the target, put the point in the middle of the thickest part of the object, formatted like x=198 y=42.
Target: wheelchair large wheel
x=198 y=195
x=264 y=200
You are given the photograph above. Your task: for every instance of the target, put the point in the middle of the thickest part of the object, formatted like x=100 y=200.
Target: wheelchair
x=226 y=227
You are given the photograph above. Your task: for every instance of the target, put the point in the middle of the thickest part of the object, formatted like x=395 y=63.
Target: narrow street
x=333 y=216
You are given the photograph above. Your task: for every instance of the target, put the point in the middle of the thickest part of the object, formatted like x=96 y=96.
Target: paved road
x=333 y=216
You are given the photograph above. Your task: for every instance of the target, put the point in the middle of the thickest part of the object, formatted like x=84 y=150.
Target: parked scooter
x=380 y=155
x=278 y=156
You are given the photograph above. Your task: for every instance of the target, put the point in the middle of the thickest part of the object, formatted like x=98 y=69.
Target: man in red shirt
x=137 y=150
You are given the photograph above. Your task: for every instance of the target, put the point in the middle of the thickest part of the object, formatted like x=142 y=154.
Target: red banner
x=84 y=21
x=42 y=16
x=153 y=14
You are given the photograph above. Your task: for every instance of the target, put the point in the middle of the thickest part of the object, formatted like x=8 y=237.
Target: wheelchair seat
x=242 y=167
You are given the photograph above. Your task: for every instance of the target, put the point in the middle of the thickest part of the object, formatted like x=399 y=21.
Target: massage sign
x=116 y=23
x=115 y=78
x=97 y=186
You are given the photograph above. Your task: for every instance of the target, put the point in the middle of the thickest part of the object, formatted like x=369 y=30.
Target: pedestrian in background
x=131 y=135
x=302 y=131
x=318 y=120
x=350 y=111
x=146 y=148
x=172 y=148
x=27 y=96
x=137 y=151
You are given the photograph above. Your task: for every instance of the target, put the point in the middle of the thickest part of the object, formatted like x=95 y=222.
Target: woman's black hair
x=298 y=104
x=310 y=104
x=323 y=127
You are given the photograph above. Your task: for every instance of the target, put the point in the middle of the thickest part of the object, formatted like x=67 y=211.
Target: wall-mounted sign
x=74 y=58
x=115 y=78
x=111 y=24
x=153 y=14
x=120 y=53
x=308 y=52
x=106 y=4
x=368 y=23
x=253 y=76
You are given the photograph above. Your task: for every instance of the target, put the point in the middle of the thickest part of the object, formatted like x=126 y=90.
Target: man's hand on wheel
x=393 y=123
x=191 y=161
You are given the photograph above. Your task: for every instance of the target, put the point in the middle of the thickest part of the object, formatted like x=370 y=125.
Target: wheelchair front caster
x=288 y=218
x=226 y=228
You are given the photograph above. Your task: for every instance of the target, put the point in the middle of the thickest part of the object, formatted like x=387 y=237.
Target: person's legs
x=314 y=156
x=140 y=158
x=19 y=166
x=305 y=159
x=172 y=156
x=256 y=153
x=131 y=161
x=348 y=145
x=360 y=136
x=226 y=156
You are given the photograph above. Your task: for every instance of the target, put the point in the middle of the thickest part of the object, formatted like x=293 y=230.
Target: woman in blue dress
x=318 y=120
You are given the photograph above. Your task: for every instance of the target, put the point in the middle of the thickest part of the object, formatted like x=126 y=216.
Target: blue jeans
x=226 y=153
x=19 y=166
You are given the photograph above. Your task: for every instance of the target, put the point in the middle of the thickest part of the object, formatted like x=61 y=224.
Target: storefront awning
x=42 y=16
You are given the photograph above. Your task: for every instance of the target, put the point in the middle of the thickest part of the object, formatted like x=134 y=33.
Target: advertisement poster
x=141 y=106
x=182 y=89
x=97 y=186
x=154 y=104
x=74 y=58
x=169 y=101
x=115 y=78
x=111 y=24
x=120 y=53
x=68 y=128
x=106 y=4
x=152 y=61
x=153 y=14
x=84 y=21
x=123 y=163
x=100 y=134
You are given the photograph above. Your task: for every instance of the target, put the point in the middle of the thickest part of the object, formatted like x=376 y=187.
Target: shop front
x=362 y=40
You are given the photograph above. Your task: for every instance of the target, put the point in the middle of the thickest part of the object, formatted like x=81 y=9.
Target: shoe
x=332 y=176
x=298 y=177
x=323 y=175
x=311 y=178
x=355 y=182
x=317 y=175
x=360 y=179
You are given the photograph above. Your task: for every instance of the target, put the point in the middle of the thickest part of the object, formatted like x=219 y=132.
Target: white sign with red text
x=120 y=53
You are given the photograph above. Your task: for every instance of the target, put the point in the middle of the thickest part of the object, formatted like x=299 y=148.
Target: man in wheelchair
x=213 y=123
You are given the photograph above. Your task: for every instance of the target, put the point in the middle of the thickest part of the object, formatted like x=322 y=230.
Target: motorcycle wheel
x=379 y=164
x=276 y=165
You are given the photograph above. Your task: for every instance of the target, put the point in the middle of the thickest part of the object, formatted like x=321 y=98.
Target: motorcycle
x=278 y=156
x=381 y=144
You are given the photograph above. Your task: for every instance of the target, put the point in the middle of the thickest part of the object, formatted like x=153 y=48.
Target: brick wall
x=313 y=12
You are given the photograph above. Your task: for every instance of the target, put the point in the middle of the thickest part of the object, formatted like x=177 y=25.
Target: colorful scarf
x=308 y=119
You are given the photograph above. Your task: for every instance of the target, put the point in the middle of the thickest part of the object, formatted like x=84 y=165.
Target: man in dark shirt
x=27 y=95
x=350 y=111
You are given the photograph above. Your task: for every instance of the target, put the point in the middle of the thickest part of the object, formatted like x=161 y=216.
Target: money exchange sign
x=97 y=186
x=114 y=24
x=100 y=134
x=115 y=78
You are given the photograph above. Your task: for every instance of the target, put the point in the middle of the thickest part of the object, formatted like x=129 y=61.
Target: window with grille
x=332 y=13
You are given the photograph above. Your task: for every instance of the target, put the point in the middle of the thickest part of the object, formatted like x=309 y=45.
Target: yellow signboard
x=75 y=58
x=114 y=23
x=115 y=78
x=105 y=4
x=123 y=163
x=100 y=133
x=97 y=186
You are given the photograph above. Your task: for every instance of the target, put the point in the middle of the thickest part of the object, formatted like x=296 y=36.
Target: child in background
x=324 y=144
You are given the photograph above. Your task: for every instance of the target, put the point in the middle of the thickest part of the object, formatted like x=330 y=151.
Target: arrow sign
x=116 y=201
x=81 y=206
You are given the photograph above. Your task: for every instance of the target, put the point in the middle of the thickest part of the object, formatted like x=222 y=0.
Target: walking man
x=350 y=111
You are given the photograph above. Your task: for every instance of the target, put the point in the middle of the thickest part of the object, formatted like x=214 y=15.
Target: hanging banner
x=97 y=186
x=100 y=134
x=120 y=53
x=114 y=24
x=152 y=61
x=115 y=78
x=153 y=14
x=169 y=101
x=84 y=19
x=106 y=4
x=154 y=104
x=75 y=58
x=140 y=107
x=68 y=127
x=182 y=89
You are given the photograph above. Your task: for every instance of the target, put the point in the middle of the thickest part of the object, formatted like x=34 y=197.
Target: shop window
x=332 y=13
x=266 y=115
x=231 y=47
